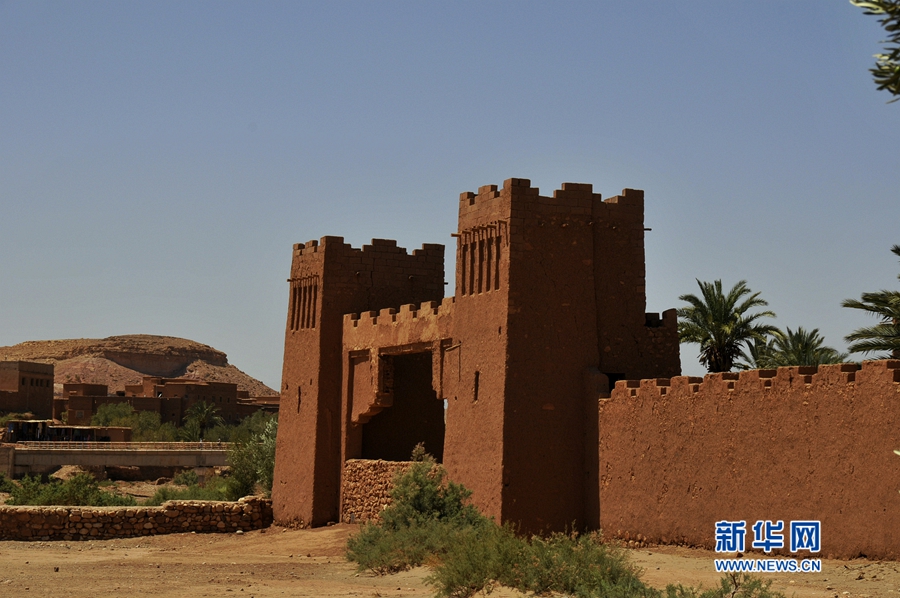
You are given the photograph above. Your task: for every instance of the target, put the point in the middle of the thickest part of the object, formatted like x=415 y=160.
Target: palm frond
x=720 y=323
x=885 y=336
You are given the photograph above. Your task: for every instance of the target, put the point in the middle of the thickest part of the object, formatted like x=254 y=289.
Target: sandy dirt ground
x=279 y=562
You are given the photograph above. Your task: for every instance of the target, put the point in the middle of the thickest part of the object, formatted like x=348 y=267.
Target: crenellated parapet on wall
x=389 y=327
x=797 y=443
x=371 y=338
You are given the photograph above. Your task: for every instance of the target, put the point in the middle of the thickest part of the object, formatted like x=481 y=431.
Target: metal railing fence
x=124 y=446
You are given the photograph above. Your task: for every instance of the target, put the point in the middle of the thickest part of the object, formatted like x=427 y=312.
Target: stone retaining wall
x=366 y=488
x=97 y=523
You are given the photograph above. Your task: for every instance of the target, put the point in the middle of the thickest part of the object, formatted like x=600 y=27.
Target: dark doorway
x=416 y=415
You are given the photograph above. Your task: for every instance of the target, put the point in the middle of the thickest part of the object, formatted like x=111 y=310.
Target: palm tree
x=720 y=324
x=884 y=336
x=800 y=347
x=190 y=431
x=757 y=354
x=203 y=416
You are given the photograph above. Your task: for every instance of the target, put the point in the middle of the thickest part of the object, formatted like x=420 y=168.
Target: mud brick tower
x=328 y=280
x=501 y=382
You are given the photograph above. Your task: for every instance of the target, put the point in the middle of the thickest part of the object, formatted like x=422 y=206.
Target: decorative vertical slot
x=464 y=255
x=480 y=265
x=488 y=265
x=471 y=268
x=312 y=312
x=497 y=261
x=477 y=384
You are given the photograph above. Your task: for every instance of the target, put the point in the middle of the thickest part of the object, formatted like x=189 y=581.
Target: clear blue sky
x=157 y=160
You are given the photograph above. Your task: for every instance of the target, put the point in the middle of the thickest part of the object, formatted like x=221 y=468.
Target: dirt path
x=842 y=579
x=278 y=562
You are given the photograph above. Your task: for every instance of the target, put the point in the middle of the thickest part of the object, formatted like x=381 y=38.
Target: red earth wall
x=677 y=455
x=549 y=308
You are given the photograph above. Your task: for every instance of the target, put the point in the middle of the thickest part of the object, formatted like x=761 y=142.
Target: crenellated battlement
x=407 y=314
x=377 y=246
x=669 y=319
x=633 y=198
x=314 y=246
x=410 y=326
x=782 y=379
x=517 y=199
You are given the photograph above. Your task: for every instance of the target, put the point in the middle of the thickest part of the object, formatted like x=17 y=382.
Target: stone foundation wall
x=98 y=523
x=366 y=488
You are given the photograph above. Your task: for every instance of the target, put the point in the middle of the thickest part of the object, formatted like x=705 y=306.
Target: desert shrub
x=6 y=484
x=79 y=490
x=429 y=522
x=566 y=564
x=186 y=477
x=732 y=585
x=422 y=495
x=423 y=521
x=215 y=488
x=477 y=559
x=561 y=564
x=252 y=462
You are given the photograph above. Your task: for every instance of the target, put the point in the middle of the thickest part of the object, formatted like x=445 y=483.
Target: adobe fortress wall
x=797 y=443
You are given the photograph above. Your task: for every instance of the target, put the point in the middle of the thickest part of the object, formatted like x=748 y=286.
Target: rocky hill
x=120 y=360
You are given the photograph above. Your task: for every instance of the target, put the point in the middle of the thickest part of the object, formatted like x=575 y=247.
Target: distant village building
x=26 y=387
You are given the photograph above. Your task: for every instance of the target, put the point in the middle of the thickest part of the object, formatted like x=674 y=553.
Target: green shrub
x=571 y=565
x=477 y=559
x=6 y=484
x=426 y=515
x=215 y=488
x=186 y=477
x=732 y=585
x=422 y=495
x=429 y=522
x=7 y=416
x=79 y=490
x=146 y=426
x=252 y=462
x=252 y=425
x=202 y=421
x=113 y=414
